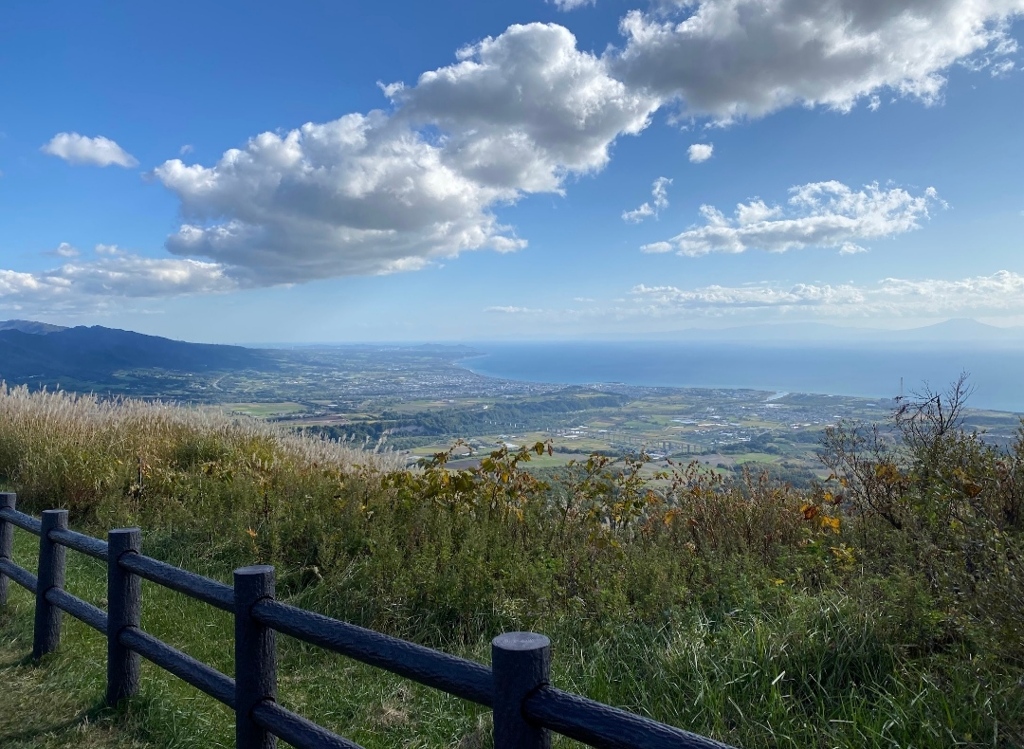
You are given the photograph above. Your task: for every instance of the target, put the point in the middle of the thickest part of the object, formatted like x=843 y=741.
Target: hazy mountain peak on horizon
x=965 y=324
x=786 y=332
x=962 y=329
x=31 y=327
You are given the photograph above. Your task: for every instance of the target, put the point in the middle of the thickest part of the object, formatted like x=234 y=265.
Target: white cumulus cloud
x=82 y=150
x=380 y=193
x=700 y=152
x=818 y=214
x=524 y=111
x=358 y=195
x=734 y=58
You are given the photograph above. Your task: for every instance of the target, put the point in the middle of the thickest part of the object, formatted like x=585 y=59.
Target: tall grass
x=151 y=459
x=747 y=610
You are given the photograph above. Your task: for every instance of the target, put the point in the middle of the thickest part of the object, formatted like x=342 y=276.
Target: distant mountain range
x=90 y=357
x=30 y=326
x=42 y=353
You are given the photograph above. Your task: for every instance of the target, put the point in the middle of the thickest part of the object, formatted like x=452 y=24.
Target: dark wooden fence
x=526 y=707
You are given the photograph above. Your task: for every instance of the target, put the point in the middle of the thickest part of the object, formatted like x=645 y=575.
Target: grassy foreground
x=880 y=609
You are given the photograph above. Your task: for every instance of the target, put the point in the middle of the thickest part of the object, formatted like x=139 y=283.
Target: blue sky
x=248 y=172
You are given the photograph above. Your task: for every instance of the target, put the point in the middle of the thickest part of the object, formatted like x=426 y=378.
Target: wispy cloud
x=63 y=250
x=659 y=195
x=1001 y=292
x=89 y=285
x=567 y=5
x=82 y=150
x=655 y=307
x=510 y=310
x=997 y=59
x=818 y=214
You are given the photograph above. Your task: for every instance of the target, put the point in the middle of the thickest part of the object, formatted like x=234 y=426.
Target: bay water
x=872 y=371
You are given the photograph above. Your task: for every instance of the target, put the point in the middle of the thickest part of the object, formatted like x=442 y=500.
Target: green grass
x=799 y=671
x=370 y=706
x=751 y=612
x=58 y=702
x=41 y=710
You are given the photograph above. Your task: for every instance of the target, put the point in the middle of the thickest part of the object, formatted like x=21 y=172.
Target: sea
x=876 y=371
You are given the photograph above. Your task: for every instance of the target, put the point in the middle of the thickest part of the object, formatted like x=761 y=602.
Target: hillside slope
x=30 y=326
x=95 y=353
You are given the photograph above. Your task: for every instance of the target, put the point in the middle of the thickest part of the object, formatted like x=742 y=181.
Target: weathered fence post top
x=127 y=533
x=521 y=641
x=255 y=570
x=521 y=664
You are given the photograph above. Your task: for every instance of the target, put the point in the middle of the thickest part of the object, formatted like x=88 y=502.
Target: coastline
x=852 y=371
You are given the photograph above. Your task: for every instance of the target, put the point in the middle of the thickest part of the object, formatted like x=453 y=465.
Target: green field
x=265 y=410
x=878 y=608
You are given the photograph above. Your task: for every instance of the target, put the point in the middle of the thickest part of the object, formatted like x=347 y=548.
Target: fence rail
x=516 y=686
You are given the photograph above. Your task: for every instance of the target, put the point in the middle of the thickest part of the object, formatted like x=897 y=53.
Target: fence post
x=7 y=502
x=255 y=657
x=521 y=663
x=124 y=610
x=51 y=575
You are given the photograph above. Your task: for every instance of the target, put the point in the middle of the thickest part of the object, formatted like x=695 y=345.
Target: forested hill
x=95 y=353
